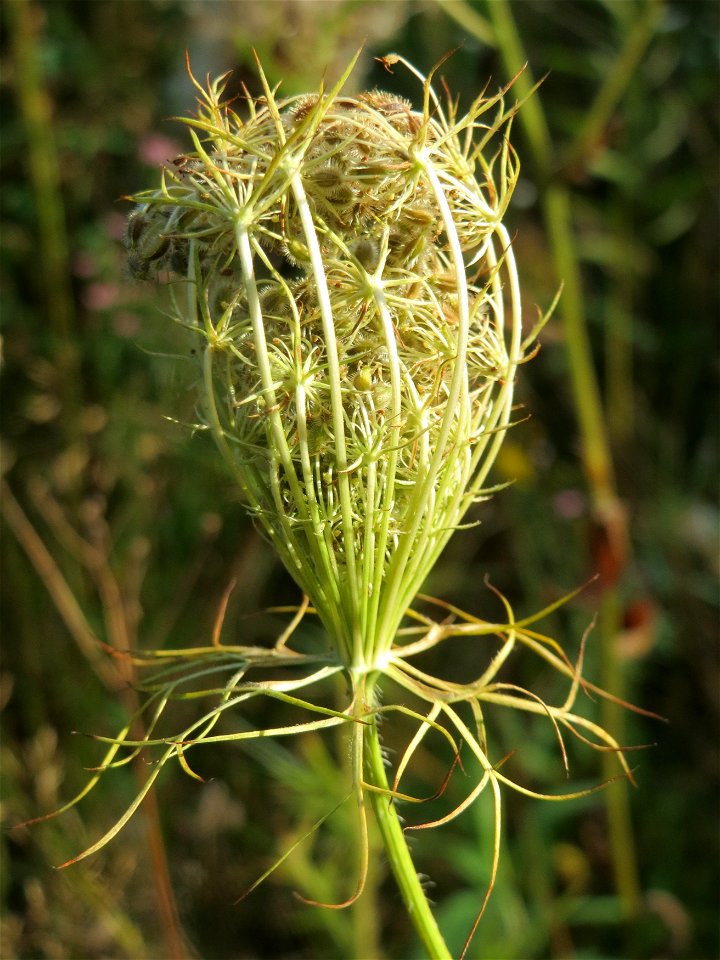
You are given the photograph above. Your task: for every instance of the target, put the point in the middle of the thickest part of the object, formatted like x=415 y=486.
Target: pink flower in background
x=84 y=265
x=156 y=149
x=569 y=504
x=100 y=296
x=126 y=324
x=115 y=224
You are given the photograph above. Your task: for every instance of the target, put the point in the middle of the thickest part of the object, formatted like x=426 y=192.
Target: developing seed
x=326 y=178
x=296 y=252
x=363 y=379
x=137 y=222
x=178 y=260
x=144 y=235
x=382 y=394
x=274 y=302
x=138 y=268
x=366 y=251
x=157 y=249
x=416 y=215
x=302 y=107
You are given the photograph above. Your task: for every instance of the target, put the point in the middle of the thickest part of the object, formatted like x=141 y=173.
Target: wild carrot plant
x=343 y=264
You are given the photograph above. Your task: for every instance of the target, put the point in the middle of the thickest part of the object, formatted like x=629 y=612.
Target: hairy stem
x=397 y=850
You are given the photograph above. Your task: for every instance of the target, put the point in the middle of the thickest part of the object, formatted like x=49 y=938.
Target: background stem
x=612 y=552
x=25 y=22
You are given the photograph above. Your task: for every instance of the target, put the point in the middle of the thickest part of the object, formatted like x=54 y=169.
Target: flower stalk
x=397 y=852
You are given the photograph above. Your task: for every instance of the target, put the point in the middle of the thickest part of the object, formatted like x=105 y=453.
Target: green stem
x=586 y=391
x=397 y=851
x=596 y=449
x=558 y=217
x=469 y=19
x=25 y=26
x=617 y=798
x=618 y=79
x=25 y=22
x=619 y=374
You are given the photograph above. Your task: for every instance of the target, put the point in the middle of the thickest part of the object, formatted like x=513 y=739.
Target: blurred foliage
x=121 y=523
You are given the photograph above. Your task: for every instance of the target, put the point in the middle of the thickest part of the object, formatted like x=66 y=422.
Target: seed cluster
x=347 y=277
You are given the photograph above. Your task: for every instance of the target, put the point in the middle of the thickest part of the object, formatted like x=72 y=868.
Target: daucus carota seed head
x=355 y=292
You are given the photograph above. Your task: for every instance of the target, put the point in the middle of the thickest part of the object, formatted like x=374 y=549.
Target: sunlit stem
x=398 y=854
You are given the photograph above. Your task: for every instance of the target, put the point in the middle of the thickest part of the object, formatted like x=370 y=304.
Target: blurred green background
x=121 y=524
